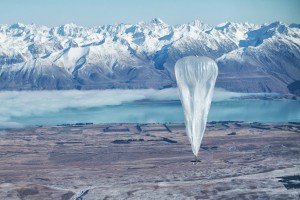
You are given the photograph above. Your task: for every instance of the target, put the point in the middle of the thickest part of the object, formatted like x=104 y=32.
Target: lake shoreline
x=22 y=109
x=209 y=124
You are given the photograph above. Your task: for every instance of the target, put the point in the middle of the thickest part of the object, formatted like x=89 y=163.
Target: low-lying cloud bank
x=16 y=104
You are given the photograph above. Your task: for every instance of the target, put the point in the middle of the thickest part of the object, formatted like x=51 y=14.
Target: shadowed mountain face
x=250 y=58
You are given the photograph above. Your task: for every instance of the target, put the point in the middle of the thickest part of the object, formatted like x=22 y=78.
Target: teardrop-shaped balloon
x=196 y=77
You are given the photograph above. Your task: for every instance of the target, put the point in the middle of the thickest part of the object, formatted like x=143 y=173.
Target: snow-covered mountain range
x=251 y=58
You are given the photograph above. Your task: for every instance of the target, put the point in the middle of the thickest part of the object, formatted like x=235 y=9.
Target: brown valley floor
x=150 y=161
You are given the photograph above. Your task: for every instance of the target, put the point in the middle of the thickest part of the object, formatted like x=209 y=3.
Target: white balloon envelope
x=196 y=77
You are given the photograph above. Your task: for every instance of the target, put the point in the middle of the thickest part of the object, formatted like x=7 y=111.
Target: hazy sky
x=101 y=12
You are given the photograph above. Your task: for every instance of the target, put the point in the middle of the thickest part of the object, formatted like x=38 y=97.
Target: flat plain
x=239 y=160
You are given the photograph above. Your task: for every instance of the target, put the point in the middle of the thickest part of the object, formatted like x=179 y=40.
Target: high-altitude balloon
x=196 y=77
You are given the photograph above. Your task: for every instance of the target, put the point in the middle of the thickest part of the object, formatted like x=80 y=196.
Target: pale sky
x=102 y=12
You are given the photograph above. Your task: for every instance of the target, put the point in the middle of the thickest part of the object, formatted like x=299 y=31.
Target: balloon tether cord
x=195 y=161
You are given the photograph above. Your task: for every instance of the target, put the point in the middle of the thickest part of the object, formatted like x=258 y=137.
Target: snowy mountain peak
x=267 y=31
x=69 y=26
x=199 y=24
x=143 y=55
x=17 y=26
x=293 y=25
x=223 y=25
x=70 y=29
x=157 y=21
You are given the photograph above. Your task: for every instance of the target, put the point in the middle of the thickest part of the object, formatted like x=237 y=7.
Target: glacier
x=196 y=77
x=251 y=58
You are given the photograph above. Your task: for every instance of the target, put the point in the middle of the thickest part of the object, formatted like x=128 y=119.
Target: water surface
x=29 y=108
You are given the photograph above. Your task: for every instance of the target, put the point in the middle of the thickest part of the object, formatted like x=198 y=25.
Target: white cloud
x=22 y=104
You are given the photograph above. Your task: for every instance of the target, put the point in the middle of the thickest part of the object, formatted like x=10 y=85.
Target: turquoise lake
x=19 y=109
